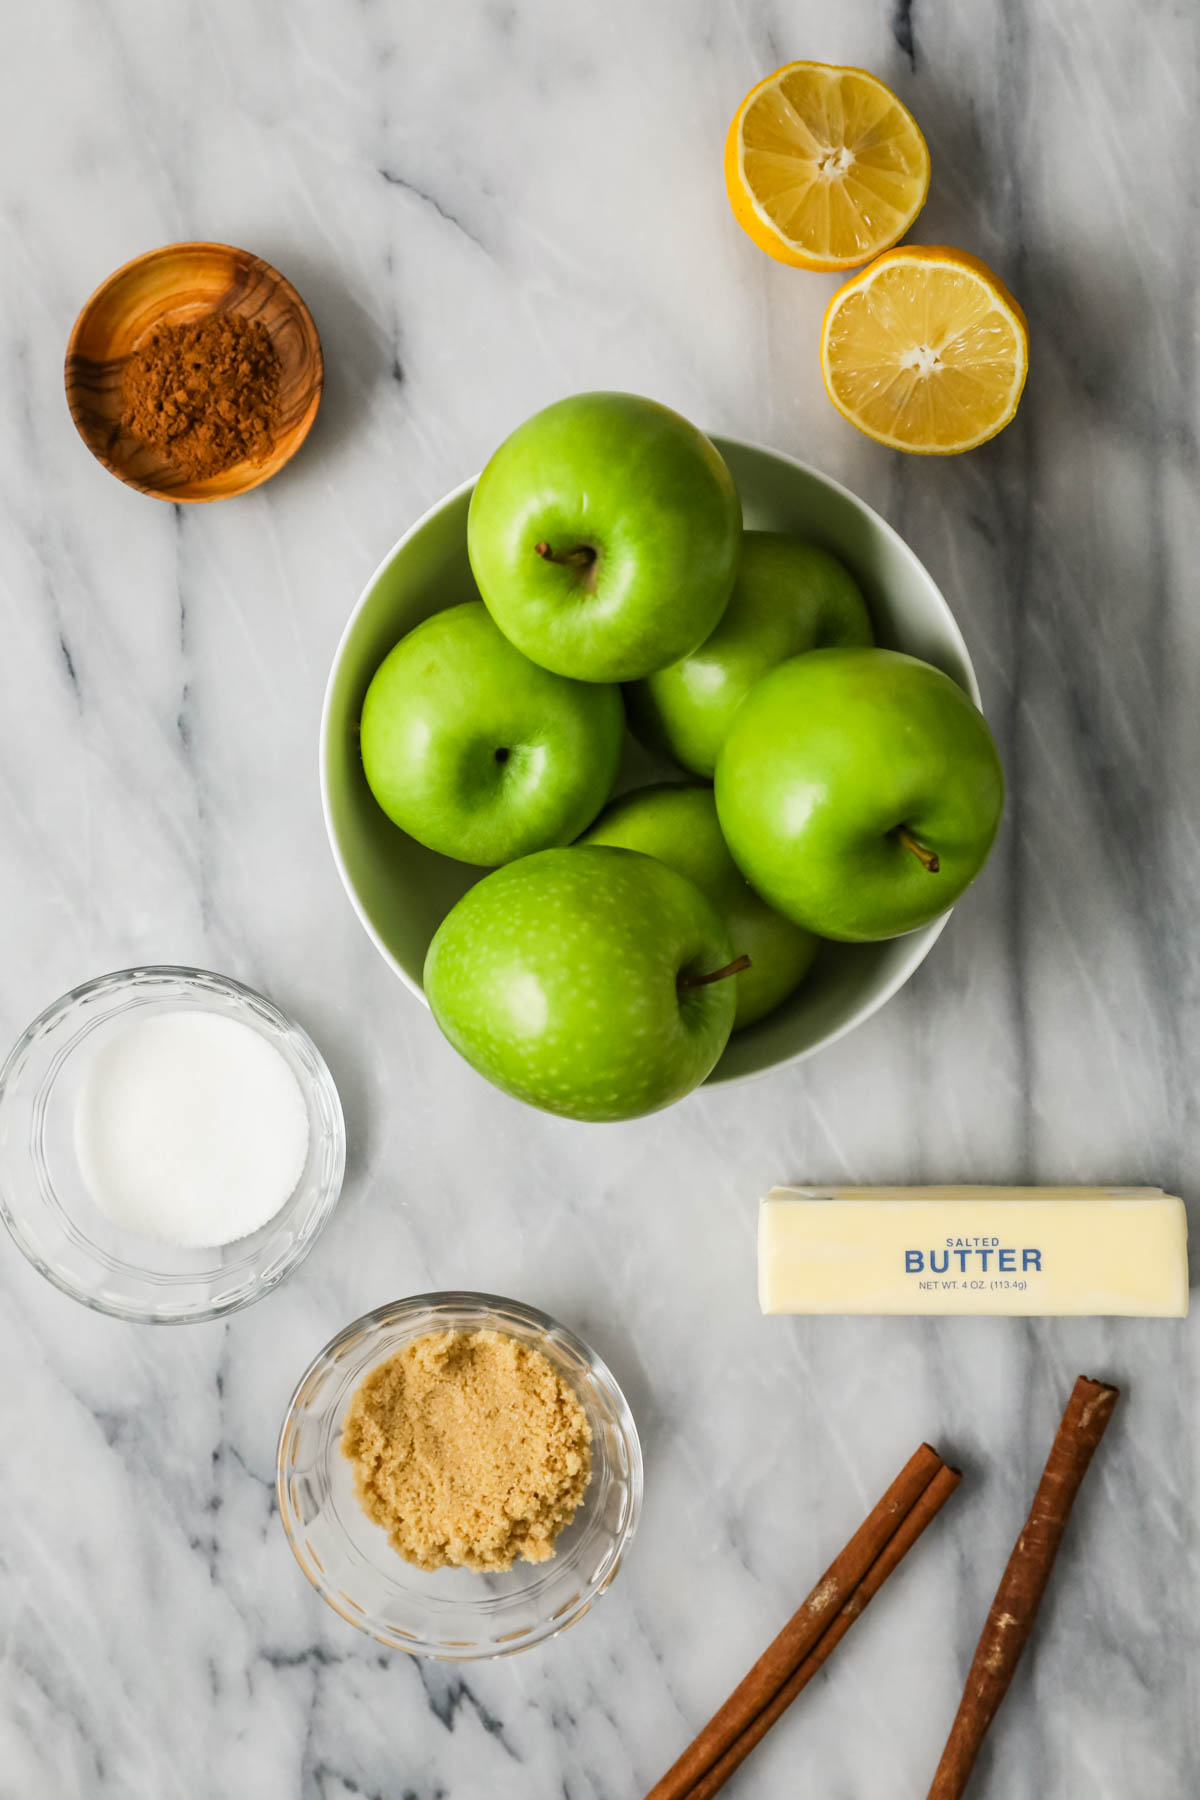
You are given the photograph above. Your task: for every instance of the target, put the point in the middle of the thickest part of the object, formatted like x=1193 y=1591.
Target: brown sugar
x=205 y=395
x=469 y=1449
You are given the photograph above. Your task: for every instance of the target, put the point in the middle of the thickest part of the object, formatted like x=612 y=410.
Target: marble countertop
x=487 y=206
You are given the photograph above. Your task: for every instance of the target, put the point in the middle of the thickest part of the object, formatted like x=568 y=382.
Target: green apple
x=859 y=791
x=479 y=753
x=605 y=535
x=679 y=826
x=581 y=981
x=789 y=597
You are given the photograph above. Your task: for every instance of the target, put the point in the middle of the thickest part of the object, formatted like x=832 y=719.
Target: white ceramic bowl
x=402 y=891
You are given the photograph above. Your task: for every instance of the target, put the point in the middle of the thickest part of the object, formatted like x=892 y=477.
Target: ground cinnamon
x=1019 y=1595
x=205 y=394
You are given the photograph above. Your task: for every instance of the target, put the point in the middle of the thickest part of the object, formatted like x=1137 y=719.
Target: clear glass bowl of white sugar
x=155 y=1108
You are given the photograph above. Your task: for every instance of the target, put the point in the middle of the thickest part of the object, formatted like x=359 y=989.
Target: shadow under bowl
x=175 y=286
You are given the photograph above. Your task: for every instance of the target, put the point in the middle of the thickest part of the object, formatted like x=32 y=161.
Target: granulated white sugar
x=190 y=1128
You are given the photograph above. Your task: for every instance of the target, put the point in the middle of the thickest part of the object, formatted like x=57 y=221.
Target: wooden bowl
x=173 y=286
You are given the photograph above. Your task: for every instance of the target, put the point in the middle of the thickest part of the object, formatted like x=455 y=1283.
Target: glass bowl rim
x=463 y=1299
x=227 y=986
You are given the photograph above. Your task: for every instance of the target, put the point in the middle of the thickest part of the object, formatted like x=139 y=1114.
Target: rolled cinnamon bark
x=783 y=1657
x=922 y=1514
x=1019 y=1595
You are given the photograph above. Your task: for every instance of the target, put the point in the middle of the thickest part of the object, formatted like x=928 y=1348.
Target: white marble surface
x=488 y=206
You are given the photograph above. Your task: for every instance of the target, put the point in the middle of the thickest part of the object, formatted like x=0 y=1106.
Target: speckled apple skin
x=556 y=977
x=828 y=756
x=789 y=597
x=639 y=485
x=679 y=825
x=477 y=752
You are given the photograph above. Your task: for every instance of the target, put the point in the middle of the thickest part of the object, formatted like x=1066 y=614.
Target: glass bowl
x=44 y=1199
x=455 y=1615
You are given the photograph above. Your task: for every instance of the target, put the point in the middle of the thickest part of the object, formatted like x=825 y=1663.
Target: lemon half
x=824 y=166
x=926 y=350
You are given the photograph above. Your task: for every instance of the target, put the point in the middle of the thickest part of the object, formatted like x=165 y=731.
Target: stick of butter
x=973 y=1250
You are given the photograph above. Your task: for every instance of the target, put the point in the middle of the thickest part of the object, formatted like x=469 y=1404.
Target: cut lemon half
x=925 y=350
x=824 y=167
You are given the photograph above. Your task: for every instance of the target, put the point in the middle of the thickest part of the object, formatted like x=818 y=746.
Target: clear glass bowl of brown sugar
x=454 y=1614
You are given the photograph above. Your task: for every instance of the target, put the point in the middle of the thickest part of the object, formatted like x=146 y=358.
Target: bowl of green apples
x=649 y=759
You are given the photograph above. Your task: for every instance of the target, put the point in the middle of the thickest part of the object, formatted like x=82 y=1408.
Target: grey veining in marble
x=489 y=205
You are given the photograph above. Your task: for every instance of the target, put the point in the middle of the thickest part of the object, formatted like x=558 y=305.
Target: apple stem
x=736 y=967
x=927 y=858
x=582 y=557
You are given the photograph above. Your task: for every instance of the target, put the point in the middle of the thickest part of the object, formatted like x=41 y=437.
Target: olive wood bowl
x=173 y=286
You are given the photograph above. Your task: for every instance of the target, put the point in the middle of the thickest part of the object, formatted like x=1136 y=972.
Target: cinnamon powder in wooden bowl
x=194 y=372
x=204 y=395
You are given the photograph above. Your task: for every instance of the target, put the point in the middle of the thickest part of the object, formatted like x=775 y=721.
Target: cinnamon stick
x=786 y=1654
x=1023 y=1584
x=922 y=1514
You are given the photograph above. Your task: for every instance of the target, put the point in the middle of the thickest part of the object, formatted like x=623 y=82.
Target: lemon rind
x=1003 y=304
x=795 y=254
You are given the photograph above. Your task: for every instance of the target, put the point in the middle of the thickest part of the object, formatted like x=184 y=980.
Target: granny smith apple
x=789 y=597
x=582 y=981
x=605 y=535
x=859 y=791
x=479 y=753
x=679 y=826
